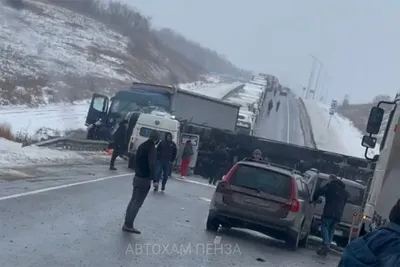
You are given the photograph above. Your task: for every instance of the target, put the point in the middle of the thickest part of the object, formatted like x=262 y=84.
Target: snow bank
x=342 y=136
x=53 y=118
x=12 y=154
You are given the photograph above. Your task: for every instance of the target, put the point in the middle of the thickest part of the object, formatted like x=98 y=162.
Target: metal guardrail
x=74 y=144
x=306 y=121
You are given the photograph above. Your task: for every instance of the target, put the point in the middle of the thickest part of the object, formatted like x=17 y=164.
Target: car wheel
x=212 y=224
x=293 y=242
x=303 y=242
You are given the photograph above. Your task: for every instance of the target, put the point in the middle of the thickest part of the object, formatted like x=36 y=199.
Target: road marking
x=34 y=192
x=288 y=122
x=194 y=182
x=205 y=199
x=217 y=239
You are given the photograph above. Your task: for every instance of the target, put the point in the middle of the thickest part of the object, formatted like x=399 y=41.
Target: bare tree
x=381 y=98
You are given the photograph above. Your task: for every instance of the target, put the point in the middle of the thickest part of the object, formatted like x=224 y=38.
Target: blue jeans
x=163 y=171
x=328 y=227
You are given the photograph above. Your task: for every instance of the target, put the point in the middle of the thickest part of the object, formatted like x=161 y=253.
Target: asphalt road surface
x=72 y=216
x=283 y=125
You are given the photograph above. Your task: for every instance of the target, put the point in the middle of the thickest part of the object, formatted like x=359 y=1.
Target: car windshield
x=355 y=194
x=145 y=132
x=265 y=180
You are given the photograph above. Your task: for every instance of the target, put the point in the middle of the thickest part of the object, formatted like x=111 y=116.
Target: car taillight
x=228 y=176
x=294 y=205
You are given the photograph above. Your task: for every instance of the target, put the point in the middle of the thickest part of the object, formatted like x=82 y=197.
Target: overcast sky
x=357 y=41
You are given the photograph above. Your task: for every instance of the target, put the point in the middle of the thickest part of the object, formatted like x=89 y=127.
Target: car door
x=98 y=109
x=304 y=194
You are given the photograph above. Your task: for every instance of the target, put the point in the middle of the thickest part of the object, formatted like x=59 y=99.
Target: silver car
x=264 y=197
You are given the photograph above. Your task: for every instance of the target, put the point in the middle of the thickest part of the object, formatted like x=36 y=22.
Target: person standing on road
x=186 y=157
x=145 y=173
x=220 y=157
x=118 y=144
x=166 y=154
x=335 y=199
x=378 y=248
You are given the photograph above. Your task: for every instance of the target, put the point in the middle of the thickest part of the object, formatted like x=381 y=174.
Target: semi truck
x=383 y=185
x=184 y=105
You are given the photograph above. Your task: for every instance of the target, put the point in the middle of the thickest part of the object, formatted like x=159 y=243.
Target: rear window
x=355 y=194
x=145 y=132
x=262 y=179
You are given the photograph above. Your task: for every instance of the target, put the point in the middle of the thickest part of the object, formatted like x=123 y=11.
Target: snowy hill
x=50 y=53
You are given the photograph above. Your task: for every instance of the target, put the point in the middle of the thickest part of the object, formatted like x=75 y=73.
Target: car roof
x=346 y=181
x=264 y=165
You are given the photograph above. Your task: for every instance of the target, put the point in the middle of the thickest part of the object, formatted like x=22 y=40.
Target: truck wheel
x=131 y=162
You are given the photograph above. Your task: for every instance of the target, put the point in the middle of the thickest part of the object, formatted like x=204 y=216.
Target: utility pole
x=318 y=79
x=310 y=79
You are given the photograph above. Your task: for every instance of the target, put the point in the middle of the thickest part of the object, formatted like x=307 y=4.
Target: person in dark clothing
x=277 y=105
x=220 y=157
x=380 y=248
x=166 y=154
x=119 y=142
x=335 y=199
x=270 y=106
x=145 y=173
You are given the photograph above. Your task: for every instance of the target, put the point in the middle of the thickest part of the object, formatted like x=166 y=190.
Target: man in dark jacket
x=166 y=154
x=377 y=248
x=220 y=158
x=145 y=173
x=119 y=143
x=335 y=199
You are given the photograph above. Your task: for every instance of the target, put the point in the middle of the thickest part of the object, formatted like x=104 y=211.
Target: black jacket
x=146 y=157
x=335 y=199
x=119 y=137
x=166 y=150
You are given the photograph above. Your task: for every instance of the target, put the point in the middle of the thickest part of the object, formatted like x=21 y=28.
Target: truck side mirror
x=375 y=120
x=368 y=141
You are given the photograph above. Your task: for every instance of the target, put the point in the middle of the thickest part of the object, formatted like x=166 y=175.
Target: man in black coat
x=335 y=199
x=166 y=154
x=119 y=143
x=145 y=173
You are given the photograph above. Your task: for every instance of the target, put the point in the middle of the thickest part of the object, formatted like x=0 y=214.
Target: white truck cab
x=156 y=120
x=384 y=184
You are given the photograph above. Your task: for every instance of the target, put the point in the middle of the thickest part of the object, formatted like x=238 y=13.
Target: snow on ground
x=12 y=154
x=217 y=90
x=63 y=117
x=342 y=136
x=58 y=41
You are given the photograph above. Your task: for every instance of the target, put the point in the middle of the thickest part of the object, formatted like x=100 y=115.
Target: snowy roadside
x=13 y=155
x=54 y=120
x=342 y=136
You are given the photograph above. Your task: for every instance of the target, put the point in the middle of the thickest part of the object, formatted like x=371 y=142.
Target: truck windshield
x=139 y=101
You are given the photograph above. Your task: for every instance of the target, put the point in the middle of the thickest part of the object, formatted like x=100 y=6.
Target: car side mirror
x=368 y=141
x=375 y=120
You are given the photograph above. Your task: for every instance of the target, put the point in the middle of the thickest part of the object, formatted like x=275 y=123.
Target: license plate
x=256 y=201
x=338 y=232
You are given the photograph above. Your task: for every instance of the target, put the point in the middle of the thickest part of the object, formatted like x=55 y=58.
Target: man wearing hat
x=145 y=173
